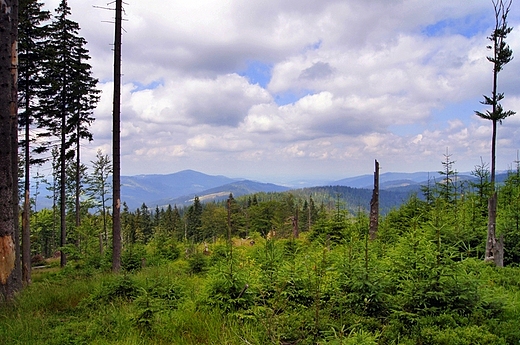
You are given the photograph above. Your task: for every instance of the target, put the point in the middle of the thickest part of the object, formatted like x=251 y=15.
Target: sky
x=281 y=90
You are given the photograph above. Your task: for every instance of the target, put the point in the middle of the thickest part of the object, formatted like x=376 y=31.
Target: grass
x=58 y=308
x=298 y=303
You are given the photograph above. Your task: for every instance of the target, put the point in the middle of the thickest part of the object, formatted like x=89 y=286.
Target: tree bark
x=26 y=229
x=10 y=272
x=374 y=205
x=14 y=130
x=78 y=181
x=77 y=186
x=116 y=142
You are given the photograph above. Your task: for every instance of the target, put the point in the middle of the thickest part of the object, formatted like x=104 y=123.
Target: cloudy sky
x=275 y=90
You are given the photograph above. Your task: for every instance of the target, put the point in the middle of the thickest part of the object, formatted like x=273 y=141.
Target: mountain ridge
x=181 y=187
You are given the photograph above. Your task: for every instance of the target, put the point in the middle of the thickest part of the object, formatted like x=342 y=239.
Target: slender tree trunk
x=26 y=230
x=78 y=179
x=104 y=210
x=493 y=153
x=116 y=145
x=63 y=227
x=492 y=201
x=78 y=189
x=309 y=216
x=296 y=229
x=494 y=251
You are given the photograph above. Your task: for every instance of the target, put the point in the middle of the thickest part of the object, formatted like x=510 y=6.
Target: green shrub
x=353 y=338
x=197 y=263
x=122 y=288
x=227 y=291
x=132 y=257
x=427 y=281
x=458 y=336
x=165 y=248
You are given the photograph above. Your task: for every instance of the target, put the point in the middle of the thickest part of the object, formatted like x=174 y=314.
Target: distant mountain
x=237 y=188
x=399 y=181
x=181 y=187
x=388 y=180
x=139 y=189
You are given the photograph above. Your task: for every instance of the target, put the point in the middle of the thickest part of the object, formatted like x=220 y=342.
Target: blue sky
x=281 y=90
x=257 y=72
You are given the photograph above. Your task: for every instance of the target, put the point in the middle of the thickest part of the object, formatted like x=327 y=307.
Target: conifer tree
x=176 y=223
x=31 y=54
x=99 y=186
x=194 y=220
x=145 y=224
x=126 y=225
x=447 y=184
x=501 y=55
x=69 y=95
x=86 y=97
x=482 y=186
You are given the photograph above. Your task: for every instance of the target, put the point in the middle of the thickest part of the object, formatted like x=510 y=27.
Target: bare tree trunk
x=63 y=226
x=491 y=247
x=78 y=179
x=78 y=189
x=26 y=229
x=116 y=144
x=374 y=205
x=295 y=220
x=491 y=238
x=10 y=272
x=502 y=55
x=101 y=244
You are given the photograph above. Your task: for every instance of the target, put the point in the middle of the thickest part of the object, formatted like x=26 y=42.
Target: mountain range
x=181 y=187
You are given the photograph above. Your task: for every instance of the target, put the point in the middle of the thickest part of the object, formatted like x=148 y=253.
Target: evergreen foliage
x=67 y=98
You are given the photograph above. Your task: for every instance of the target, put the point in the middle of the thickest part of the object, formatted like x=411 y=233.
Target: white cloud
x=361 y=79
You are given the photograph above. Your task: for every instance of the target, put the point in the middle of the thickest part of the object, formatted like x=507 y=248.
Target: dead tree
x=116 y=144
x=374 y=205
x=501 y=55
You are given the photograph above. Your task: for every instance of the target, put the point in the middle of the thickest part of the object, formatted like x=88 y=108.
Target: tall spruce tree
x=501 y=55
x=69 y=95
x=32 y=33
